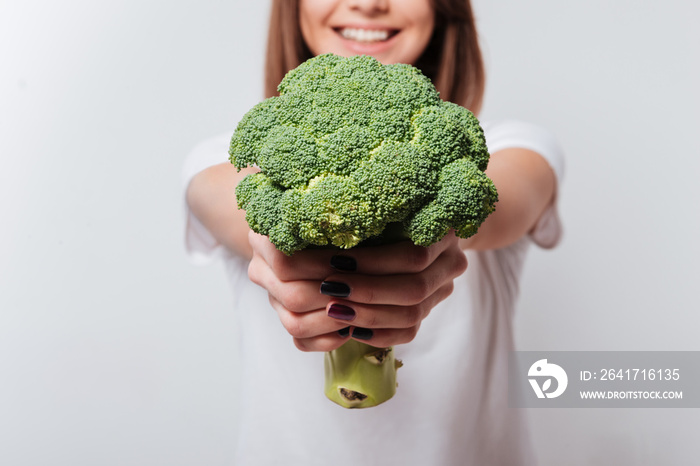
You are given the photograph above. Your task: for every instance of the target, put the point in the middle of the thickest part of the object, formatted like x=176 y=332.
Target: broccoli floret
x=351 y=148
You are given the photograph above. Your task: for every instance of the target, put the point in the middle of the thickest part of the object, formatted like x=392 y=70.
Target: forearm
x=212 y=199
x=526 y=186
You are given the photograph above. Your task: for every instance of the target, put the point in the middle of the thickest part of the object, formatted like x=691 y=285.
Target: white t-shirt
x=451 y=406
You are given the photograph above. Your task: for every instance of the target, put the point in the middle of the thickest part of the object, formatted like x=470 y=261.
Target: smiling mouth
x=367 y=36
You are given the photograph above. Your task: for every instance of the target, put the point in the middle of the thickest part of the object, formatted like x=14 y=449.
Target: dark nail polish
x=344 y=332
x=344 y=263
x=335 y=289
x=338 y=311
x=362 y=333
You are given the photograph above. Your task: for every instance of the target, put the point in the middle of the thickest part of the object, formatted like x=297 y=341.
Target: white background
x=115 y=351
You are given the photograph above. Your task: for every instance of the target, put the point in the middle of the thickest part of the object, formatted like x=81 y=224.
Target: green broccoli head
x=351 y=148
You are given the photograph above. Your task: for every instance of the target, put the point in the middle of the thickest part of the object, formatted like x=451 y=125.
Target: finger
x=316 y=264
x=309 y=264
x=305 y=324
x=361 y=315
x=402 y=290
x=296 y=296
x=396 y=258
x=325 y=343
x=382 y=338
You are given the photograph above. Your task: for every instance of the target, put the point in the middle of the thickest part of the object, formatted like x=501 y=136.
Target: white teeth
x=365 y=35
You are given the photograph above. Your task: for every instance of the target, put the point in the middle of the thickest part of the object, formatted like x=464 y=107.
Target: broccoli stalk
x=348 y=151
x=359 y=375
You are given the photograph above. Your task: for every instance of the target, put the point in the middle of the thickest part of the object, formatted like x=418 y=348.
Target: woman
x=451 y=407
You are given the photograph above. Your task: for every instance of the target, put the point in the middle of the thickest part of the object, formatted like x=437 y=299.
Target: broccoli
x=351 y=146
x=354 y=151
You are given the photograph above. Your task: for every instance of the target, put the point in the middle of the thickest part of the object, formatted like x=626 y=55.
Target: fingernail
x=338 y=311
x=362 y=333
x=344 y=332
x=335 y=289
x=344 y=263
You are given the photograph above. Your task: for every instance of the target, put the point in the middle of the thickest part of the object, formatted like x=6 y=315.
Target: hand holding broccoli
x=392 y=290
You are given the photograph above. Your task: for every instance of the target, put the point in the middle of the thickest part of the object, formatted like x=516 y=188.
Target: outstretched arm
x=406 y=282
x=526 y=185
x=211 y=197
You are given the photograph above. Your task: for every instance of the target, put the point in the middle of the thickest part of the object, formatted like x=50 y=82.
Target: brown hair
x=452 y=59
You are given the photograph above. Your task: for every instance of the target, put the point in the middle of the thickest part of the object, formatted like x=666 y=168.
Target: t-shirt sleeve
x=511 y=134
x=200 y=245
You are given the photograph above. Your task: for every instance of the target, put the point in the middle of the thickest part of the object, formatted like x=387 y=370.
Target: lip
x=367 y=48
